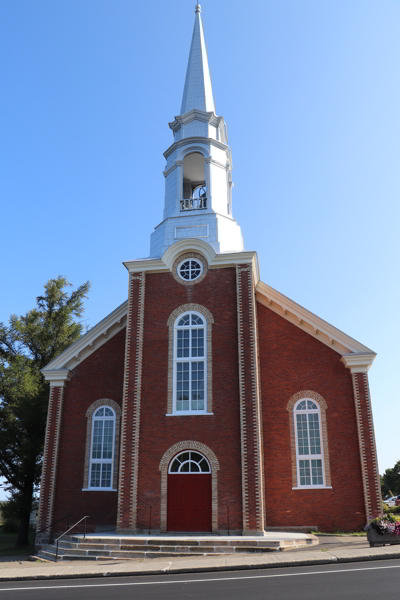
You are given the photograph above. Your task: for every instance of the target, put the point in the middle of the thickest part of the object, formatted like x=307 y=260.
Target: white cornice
x=57 y=377
x=196 y=140
x=189 y=244
x=195 y=115
x=214 y=260
x=91 y=341
x=146 y=265
x=359 y=363
x=307 y=321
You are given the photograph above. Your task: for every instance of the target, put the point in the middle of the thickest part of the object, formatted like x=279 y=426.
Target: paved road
x=356 y=581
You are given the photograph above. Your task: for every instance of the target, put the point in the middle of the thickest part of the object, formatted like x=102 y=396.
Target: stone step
x=105 y=549
x=170 y=542
x=96 y=548
x=63 y=557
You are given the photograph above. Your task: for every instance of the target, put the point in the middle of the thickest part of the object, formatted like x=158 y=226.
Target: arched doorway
x=189 y=505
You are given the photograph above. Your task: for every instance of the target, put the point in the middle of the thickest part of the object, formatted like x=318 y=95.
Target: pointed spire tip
x=198 y=8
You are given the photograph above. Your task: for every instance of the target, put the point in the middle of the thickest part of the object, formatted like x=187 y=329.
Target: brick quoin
x=131 y=411
x=220 y=431
x=99 y=376
x=50 y=460
x=250 y=441
x=291 y=361
x=372 y=474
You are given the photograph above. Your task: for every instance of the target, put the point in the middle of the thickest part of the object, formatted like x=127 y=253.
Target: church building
x=208 y=401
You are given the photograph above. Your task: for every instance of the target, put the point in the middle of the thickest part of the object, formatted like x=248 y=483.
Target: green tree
x=390 y=481
x=27 y=345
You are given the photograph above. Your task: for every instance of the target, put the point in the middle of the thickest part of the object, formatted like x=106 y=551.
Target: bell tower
x=198 y=173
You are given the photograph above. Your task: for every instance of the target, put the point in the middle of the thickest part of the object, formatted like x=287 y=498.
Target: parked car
x=391 y=502
x=398 y=500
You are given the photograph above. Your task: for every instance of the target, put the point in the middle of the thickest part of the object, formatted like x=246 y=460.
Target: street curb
x=181 y=571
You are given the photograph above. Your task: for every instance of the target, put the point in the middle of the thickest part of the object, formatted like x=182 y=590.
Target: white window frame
x=199 y=262
x=102 y=460
x=209 y=472
x=309 y=456
x=177 y=360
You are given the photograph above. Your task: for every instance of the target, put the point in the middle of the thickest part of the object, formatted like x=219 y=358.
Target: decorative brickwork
x=323 y=407
x=366 y=439
x=250 y=404
x=89 y=415
x=129 y=460
x=171 y=323
x=164 y=464
x=219 y=431
x=50 y=460
x=186 y=256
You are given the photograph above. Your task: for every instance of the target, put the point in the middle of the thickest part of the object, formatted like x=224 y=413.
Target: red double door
x=189 y=502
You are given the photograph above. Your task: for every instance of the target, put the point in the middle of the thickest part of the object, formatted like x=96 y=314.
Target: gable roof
x=286 y=308
x=310 y=323
x=89 y=342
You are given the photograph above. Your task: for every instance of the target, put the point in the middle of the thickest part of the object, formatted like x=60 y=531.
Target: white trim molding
x=310 y=323
x=57 y=377
x=88 y=343
x=214 y=260
x=359 y=363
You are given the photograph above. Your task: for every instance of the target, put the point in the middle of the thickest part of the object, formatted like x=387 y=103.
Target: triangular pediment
x=308 y=322
x=88 y=343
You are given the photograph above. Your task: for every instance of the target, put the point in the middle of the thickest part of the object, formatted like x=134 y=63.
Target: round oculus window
x=190 y=269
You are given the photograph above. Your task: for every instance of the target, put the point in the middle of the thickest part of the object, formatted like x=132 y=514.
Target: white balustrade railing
x=193 y=204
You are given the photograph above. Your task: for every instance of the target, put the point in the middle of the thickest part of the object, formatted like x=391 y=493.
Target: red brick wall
x=220 y=432
x=99 y=376
x=291 y=361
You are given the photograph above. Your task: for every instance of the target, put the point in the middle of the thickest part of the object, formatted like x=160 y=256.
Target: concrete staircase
x=75 y=547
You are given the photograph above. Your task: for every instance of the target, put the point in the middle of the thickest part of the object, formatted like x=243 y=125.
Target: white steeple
x=198 y=173
x=197 y=92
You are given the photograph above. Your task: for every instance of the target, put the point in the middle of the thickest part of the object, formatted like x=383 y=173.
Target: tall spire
x=197 y=92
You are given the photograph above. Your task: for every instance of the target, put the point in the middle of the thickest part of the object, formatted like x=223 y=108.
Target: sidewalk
x=330 y=550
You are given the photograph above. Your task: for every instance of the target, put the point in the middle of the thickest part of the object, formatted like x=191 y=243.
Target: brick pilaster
x=50 y=457
x=250 y=404
x=129 y=456
x=367 y=445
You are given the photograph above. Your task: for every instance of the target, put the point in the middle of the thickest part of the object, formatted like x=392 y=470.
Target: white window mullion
x=190 y=323
x=190 y=368
x=307 y=407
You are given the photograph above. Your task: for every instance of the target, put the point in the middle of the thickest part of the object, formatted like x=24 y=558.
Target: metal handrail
x=48 y=527
x=68 y=530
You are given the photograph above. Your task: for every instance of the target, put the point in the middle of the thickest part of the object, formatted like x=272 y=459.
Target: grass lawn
x=7 y=544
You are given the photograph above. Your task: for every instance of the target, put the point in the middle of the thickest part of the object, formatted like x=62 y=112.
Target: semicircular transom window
x=190 y=269
x=189 y=462
x=307 y=405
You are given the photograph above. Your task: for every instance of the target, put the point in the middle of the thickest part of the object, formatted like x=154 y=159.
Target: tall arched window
x=102 y=448
x=190 y=361
x=309 y=445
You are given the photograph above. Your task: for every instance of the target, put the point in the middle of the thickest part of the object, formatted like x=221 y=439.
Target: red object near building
x=189 y=503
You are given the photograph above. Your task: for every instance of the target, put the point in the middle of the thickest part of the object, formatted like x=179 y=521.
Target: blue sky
x=311 y=93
